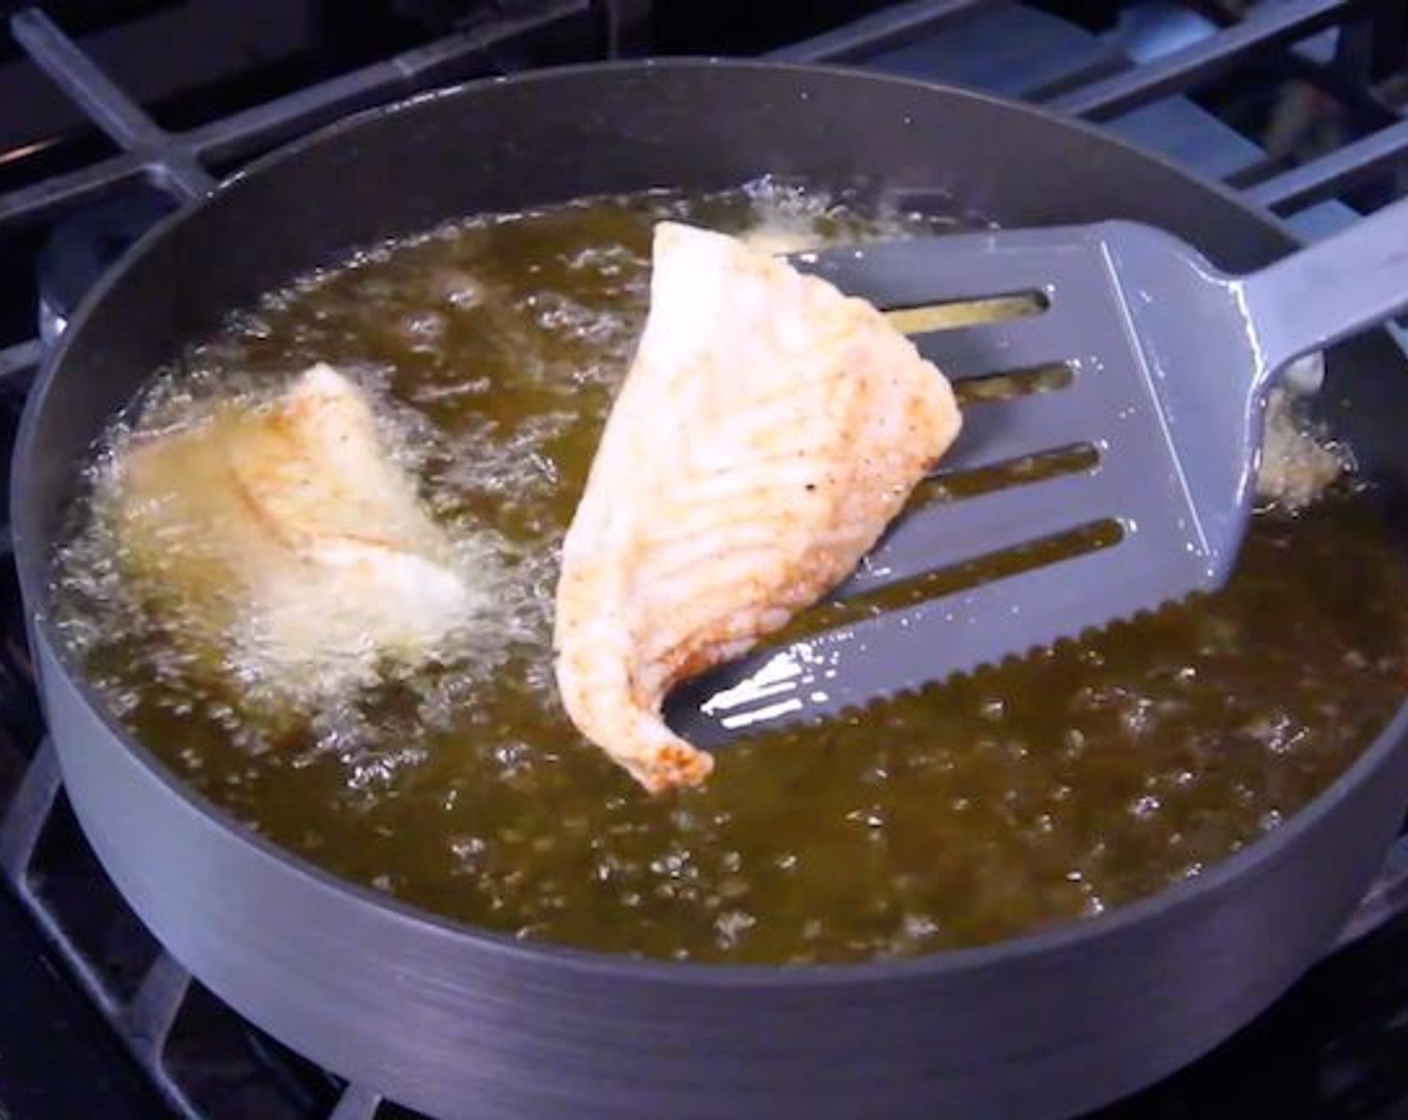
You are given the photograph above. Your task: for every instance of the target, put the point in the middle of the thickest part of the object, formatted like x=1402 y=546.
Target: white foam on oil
x=231 y=652
x=787 y=219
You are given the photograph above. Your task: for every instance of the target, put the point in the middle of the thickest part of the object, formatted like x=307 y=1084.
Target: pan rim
x=1078 y=934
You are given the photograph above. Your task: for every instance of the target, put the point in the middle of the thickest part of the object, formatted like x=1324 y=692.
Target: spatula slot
x=944 y=485
x=952 y=314
x=1003 y=430
x=982 y=350
x=1038 y=553
x=948 y=530
x=897 y=595
x=1045 y=378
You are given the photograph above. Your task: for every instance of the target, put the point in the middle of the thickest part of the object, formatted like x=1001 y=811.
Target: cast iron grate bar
x=18 y=363
x=168 y=161
x=72 y=189
x=29 y=814
x=890 y=28
x=1387 y=898
x=148 y=1019
x=461 y=55
x=356 y=1103
x=143 y=1021
x=465 y=54
x=1327 y=176
x=53 y=1061
x=1207 y=58
x=30 y=808
x=624 y=26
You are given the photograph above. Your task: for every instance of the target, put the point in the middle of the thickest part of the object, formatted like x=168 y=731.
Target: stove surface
x=1299 y=103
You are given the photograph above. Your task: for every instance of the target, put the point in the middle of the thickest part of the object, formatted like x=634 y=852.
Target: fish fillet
x=767 y=432
x=288 y=538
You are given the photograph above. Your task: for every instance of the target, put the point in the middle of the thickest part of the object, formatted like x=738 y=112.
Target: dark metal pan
x=460 y=1023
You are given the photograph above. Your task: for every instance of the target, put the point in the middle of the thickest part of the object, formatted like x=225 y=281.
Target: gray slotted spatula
x=1172 y=361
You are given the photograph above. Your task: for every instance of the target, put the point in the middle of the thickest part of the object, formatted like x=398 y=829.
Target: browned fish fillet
x=767 y=432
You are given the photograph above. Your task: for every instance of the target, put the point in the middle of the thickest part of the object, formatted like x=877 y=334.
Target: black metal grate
x=195 y=1052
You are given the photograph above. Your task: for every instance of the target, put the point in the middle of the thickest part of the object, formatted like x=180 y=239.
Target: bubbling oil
x=993 y=805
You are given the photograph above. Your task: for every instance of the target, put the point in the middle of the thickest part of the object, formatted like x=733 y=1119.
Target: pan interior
x=1021 y=797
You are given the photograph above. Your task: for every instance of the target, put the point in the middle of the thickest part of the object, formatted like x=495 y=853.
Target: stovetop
x=136 y=106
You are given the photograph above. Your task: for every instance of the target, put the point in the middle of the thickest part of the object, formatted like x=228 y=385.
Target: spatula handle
x=1323 y=293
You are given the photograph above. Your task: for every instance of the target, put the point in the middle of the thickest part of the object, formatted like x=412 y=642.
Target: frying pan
x=461 y=1023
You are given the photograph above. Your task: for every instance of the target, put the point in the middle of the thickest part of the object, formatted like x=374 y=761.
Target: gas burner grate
x=1180 y=84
